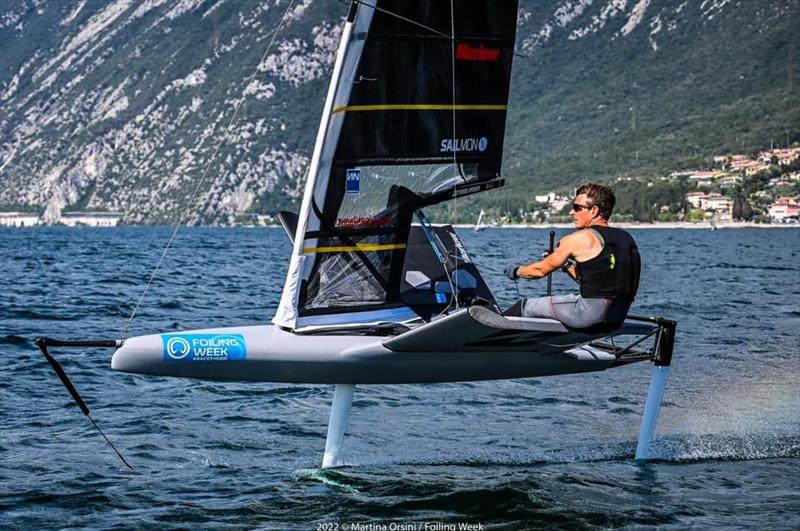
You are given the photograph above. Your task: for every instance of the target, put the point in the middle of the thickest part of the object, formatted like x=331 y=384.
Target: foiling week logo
x=178 y=348
x=204 y=347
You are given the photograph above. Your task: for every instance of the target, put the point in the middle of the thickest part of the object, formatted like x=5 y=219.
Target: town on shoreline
x=739 y=190
x=762 y=190
x=689 y=225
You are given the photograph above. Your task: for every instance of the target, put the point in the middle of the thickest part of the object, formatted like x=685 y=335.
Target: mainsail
x=415 y=115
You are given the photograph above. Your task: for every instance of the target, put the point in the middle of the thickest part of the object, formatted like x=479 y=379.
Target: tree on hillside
x=643 y=200
x=742 y=210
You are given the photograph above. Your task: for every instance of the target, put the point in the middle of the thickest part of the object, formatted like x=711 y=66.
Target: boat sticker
x=204 y=347
x=361 y=222
x=457 y=145
x=353 y=183
x=465 y=52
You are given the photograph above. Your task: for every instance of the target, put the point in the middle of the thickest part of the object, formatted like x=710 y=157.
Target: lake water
x=546 y=452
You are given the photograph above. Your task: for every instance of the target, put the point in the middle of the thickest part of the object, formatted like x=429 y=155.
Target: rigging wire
x=398 y=16
x=207 y=168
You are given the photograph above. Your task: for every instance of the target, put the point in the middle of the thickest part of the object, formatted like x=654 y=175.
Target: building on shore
x=729 y=181
x=693 y=198
x=19 y=219
x=706 y=178
x=91 y=219
x=545 y=198
x=718 y=204
x=779 y=156
x=713 y=203
x=785 y=210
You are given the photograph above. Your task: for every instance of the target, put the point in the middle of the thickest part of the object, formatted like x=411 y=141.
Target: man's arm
x=552 y=262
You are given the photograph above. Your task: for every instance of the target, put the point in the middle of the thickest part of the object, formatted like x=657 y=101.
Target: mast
x=340 y=85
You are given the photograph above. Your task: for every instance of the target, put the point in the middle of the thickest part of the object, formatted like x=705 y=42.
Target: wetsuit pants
x=572 y=310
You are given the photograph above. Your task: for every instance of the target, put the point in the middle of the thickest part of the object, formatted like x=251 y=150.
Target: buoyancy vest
x=614 y=273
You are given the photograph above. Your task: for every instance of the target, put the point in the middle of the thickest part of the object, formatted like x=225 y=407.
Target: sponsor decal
x=462 y=252
x=360 y=222
x=457 y=145
x=465 y=52
x=204 y=347
x=353 y=183
x=466 y=191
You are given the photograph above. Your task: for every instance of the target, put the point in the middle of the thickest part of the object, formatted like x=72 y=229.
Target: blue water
x=548 y=452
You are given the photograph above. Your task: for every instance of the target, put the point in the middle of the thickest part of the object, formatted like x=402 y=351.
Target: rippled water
x=548 y=452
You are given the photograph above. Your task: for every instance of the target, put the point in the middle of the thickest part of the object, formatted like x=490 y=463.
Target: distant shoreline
x=622 y=225
x=658 y=225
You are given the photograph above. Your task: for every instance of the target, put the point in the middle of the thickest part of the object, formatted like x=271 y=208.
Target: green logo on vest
x=612 y=261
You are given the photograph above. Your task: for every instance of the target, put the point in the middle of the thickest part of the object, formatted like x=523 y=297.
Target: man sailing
x=603 y=260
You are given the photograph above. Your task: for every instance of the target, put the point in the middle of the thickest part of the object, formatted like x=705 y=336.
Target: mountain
x=120 y=105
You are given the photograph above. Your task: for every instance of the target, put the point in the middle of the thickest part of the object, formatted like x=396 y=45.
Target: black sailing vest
x=614 y=273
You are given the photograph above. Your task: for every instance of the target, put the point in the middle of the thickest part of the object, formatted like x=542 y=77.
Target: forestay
x=415 y=115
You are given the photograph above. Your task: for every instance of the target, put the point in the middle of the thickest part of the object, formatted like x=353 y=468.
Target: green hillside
x=120 y=106
x=600 y=108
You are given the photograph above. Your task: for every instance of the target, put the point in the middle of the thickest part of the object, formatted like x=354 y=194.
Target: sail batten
x=419 y=107
x=415 y=116
x=358 y=247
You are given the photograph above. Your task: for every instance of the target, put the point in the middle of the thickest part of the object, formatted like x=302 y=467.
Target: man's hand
x=511 y=271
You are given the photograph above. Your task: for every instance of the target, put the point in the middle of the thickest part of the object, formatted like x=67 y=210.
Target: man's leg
x=540 y=307
x=571 y=309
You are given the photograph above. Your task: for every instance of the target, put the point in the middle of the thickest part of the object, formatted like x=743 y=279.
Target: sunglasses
x=576 y=207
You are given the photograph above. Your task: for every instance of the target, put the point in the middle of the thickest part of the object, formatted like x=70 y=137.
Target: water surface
x=520 y=454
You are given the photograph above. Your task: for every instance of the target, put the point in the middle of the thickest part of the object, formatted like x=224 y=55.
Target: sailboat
x=479 y=226
x=375 y=294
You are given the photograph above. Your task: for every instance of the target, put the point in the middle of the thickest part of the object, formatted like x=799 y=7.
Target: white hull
x=473 y=344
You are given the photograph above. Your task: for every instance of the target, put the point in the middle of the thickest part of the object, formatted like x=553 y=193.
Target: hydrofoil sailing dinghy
x=375 y=294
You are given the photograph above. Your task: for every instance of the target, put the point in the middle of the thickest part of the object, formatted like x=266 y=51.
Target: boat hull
x=467 y=346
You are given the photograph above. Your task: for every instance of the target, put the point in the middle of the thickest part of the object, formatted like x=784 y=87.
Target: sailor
x=603 y=260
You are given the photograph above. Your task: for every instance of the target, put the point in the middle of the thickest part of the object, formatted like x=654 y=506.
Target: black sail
x=401 y=108
x=423 y=123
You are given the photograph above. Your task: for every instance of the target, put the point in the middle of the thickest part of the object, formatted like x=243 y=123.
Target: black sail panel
x=403 y=105
x=424 y=122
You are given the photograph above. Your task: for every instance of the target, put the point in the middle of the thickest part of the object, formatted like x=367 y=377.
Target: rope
x=205 y=172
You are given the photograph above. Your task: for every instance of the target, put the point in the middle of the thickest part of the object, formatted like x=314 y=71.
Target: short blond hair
x=600 y=195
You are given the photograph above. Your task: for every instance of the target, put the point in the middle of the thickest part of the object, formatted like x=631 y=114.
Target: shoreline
x=621 y=225
x=658 y=225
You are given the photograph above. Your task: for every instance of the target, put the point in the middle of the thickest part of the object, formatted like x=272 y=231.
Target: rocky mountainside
x=120 y=105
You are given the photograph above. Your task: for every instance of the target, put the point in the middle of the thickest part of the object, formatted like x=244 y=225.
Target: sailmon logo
x=457 y=145
x=465 y=52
